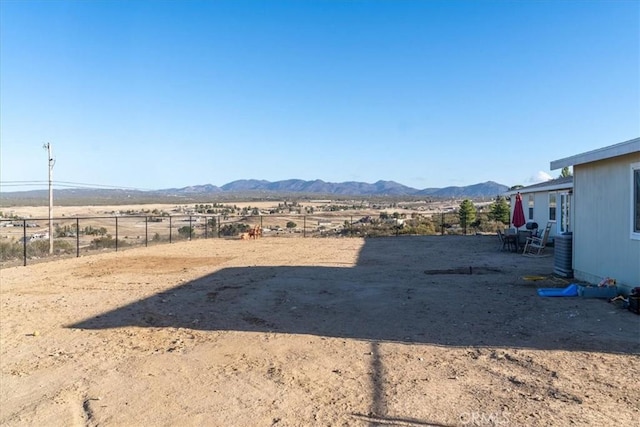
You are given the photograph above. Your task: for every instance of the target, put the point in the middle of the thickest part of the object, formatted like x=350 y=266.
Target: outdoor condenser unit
x=563 y=255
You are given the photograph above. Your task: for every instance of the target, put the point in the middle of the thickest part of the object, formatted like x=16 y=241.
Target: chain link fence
x=27 y=240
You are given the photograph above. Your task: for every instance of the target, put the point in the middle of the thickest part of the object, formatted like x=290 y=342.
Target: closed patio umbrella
x=518 y=213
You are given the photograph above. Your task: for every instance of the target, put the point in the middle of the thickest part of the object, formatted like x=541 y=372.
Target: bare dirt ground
x=301 y=332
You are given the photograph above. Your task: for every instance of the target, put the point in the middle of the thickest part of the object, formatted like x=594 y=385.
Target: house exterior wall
x=602 y=243
x=541 y=208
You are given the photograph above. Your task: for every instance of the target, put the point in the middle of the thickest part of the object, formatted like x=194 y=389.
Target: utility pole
x=51 y=162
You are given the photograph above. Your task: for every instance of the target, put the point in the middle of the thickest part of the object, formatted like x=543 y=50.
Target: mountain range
x=260 y=188
x=379 y=188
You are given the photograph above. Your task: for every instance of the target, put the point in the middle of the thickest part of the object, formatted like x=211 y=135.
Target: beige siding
x=602 y=245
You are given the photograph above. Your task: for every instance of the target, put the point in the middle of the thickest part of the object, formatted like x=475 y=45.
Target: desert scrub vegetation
x=13 y=249
x=234 y=229
x=10 y=250
x=40 y=248
x=90 y=231
x=106 y=242
x=186 y=232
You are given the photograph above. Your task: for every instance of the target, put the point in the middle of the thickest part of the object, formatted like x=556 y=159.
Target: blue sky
x=160 y=94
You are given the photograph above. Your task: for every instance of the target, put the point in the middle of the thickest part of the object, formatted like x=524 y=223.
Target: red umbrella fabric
x=518 y=213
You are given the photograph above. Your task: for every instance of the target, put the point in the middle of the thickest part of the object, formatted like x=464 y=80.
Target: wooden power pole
x=51 y=162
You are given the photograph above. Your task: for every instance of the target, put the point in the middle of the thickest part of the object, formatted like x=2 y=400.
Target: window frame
x=634 y=204
x=564 y=222
x=554 y=207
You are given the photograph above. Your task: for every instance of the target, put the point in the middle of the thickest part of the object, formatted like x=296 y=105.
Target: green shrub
x=234 y=229
x=185 y=231
x=10 y=250
x=35 y=249
x=105 y=242
x=95 y=231
x=40 y=248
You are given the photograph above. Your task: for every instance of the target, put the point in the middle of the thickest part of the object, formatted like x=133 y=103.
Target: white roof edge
x=565 y=186
x=620 y=149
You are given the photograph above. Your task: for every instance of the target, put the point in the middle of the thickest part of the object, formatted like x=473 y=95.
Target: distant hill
x=251 y=188
x=380 y=188
x=485 y=189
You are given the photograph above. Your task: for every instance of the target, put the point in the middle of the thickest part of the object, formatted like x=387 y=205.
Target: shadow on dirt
x=386 y=297
x=398 y=292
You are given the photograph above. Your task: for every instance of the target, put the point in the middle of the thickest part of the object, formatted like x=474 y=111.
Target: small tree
x=467 y=213
x=499 y=210
x=291 y=225
x=565 y=172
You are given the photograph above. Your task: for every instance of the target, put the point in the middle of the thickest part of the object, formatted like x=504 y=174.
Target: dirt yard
x=311 y=332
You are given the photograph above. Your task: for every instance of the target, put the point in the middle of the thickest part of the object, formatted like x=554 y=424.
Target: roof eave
x=524 y=190
x=626 y=147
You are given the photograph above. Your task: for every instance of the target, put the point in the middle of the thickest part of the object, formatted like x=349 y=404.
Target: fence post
x=442 y=224
x=146 y=231
x=77 y=237
x=218 y=226
x=24 y=242
x=351 y=226
x=190 y=227
x=116 y=234
x=304 y=226
x=206 y=227
x=169 y=228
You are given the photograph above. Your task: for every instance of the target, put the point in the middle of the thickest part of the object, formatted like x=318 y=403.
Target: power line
x=69 y=184
x=21 y=182
x=22 y=185
x=116 y=187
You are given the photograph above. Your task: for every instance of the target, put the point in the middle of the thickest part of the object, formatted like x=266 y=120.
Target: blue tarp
x=569 y=291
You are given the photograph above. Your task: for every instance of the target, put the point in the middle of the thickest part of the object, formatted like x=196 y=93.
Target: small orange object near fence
x=254 y=233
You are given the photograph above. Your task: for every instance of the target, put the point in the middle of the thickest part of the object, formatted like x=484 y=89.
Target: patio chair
x=501 y=238
x=506 y=241
x=535 y=245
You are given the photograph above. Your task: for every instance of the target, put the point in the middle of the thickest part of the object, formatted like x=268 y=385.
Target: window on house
x=531 y=206
x=635 y=201
x=552 y=206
